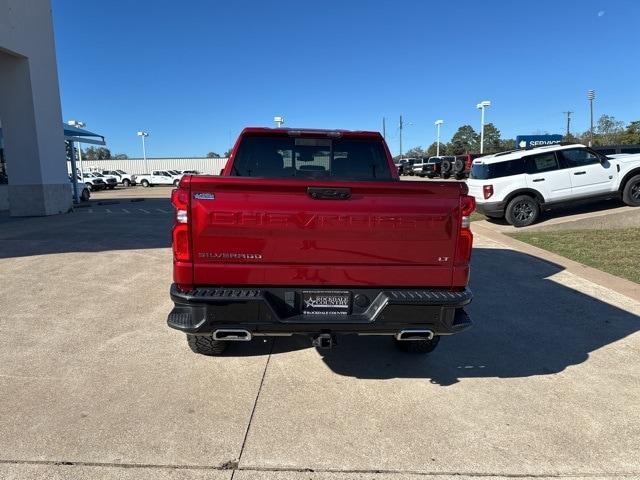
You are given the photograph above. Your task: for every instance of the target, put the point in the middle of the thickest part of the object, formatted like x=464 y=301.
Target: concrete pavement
x=94 y=385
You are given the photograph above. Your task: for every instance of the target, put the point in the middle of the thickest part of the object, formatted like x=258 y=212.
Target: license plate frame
x=326 y=302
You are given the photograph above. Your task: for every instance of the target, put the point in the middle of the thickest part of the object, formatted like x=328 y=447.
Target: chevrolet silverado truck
x=311 y=232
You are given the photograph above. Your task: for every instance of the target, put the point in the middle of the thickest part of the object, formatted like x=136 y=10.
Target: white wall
x=30 y=109
x=136 y=165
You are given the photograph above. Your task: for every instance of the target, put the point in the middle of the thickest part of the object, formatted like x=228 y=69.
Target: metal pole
x=400 y=137
x=384 y=129
x=482 y=129
x=438 y=142
x=74 y=175
x=144 y=156
x=591 y=127
x=80 y=157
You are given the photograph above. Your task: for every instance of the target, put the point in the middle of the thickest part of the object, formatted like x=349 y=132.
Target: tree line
x=607 y=131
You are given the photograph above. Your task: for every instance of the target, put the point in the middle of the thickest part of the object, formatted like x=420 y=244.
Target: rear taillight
x=465 y=237
x=181 y=240
x=487 y=191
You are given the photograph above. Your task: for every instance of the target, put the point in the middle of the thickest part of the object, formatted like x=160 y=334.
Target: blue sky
x=194 y=73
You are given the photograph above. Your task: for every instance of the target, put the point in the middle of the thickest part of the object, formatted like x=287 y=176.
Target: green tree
x=93 y=153
x=121 y=156
x=227 y=153
x=507 y=144
x=465 y=140
x=492 y=143
x=571 y=138
x=608 y=130
x=631 y=134
x=432 y=151
x=213 y=155
x=415 y=152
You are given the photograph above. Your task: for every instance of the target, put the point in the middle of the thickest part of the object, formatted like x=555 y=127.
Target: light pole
x=591 y=94
x=78 y=124
x=438 y=124
x=144 y=151
x=279 y=120
x=481 y=106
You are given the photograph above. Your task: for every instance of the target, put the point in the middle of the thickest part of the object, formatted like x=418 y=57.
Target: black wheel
x=445 y=167
x=126 y=182
x=631 y=192
x=522 y=211
x=90 y=187
x=458 y=166
x=206 y=345
x=417 y=346
x=144 y=183
x=176 y=182
x=85 y=195
x=445 y=175
x=111 y=187
x=430 y=175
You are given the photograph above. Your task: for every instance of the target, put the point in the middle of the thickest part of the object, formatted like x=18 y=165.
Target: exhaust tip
x=413 y=335
x=232 y=335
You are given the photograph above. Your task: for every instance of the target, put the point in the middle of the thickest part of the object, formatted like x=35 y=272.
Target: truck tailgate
x=250 y=231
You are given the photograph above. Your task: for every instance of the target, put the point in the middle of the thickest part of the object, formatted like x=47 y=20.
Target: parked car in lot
x=462 y=164
x=399 y=164
x=313 y=233
x=110 y=181
x=84 y=192
x=92 y=182
x=123 y=177
x=518 y=185
x=157 y=177
x=418 y=167
x=406 y=168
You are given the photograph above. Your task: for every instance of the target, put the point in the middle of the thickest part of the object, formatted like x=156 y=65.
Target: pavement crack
x=227 y=466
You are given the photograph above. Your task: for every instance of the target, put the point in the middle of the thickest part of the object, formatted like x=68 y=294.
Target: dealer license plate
x=326 y=302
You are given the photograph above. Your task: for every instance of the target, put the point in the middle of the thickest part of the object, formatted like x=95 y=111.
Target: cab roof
x=319 y=132
x=516 y=154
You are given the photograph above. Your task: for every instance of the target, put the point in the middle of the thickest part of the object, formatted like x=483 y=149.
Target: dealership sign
x=532 y=141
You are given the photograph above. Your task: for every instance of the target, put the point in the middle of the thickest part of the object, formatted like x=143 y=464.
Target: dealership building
x=33 y=166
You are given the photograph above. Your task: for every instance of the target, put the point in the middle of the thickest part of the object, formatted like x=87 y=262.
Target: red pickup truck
x=312 y=232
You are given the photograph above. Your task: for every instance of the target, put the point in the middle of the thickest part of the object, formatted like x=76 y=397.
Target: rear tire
x=458 y=166
x=176 y=183
x=445 y=167
x=417 y=346
x=144 y=183
x=631 y=192
x=126 y=182
x=206 y=345
x=522 y=211
x=85 y=195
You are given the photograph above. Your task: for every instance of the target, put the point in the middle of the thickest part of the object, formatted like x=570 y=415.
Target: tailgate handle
x=328 y=193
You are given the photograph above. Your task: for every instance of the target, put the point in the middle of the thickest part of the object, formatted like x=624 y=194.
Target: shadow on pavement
x=525 y=324
x=102 y=225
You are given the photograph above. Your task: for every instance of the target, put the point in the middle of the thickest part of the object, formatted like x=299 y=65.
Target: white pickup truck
x=157 y=177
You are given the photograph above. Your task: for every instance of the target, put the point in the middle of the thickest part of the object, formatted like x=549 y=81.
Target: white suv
x=518 y=185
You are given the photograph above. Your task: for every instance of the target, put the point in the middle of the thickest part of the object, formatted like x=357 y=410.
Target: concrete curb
x=617 y=284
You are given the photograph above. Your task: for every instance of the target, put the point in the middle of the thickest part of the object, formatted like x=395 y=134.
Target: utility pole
x=400 y=137
x=384 y=129
x=568 y=114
